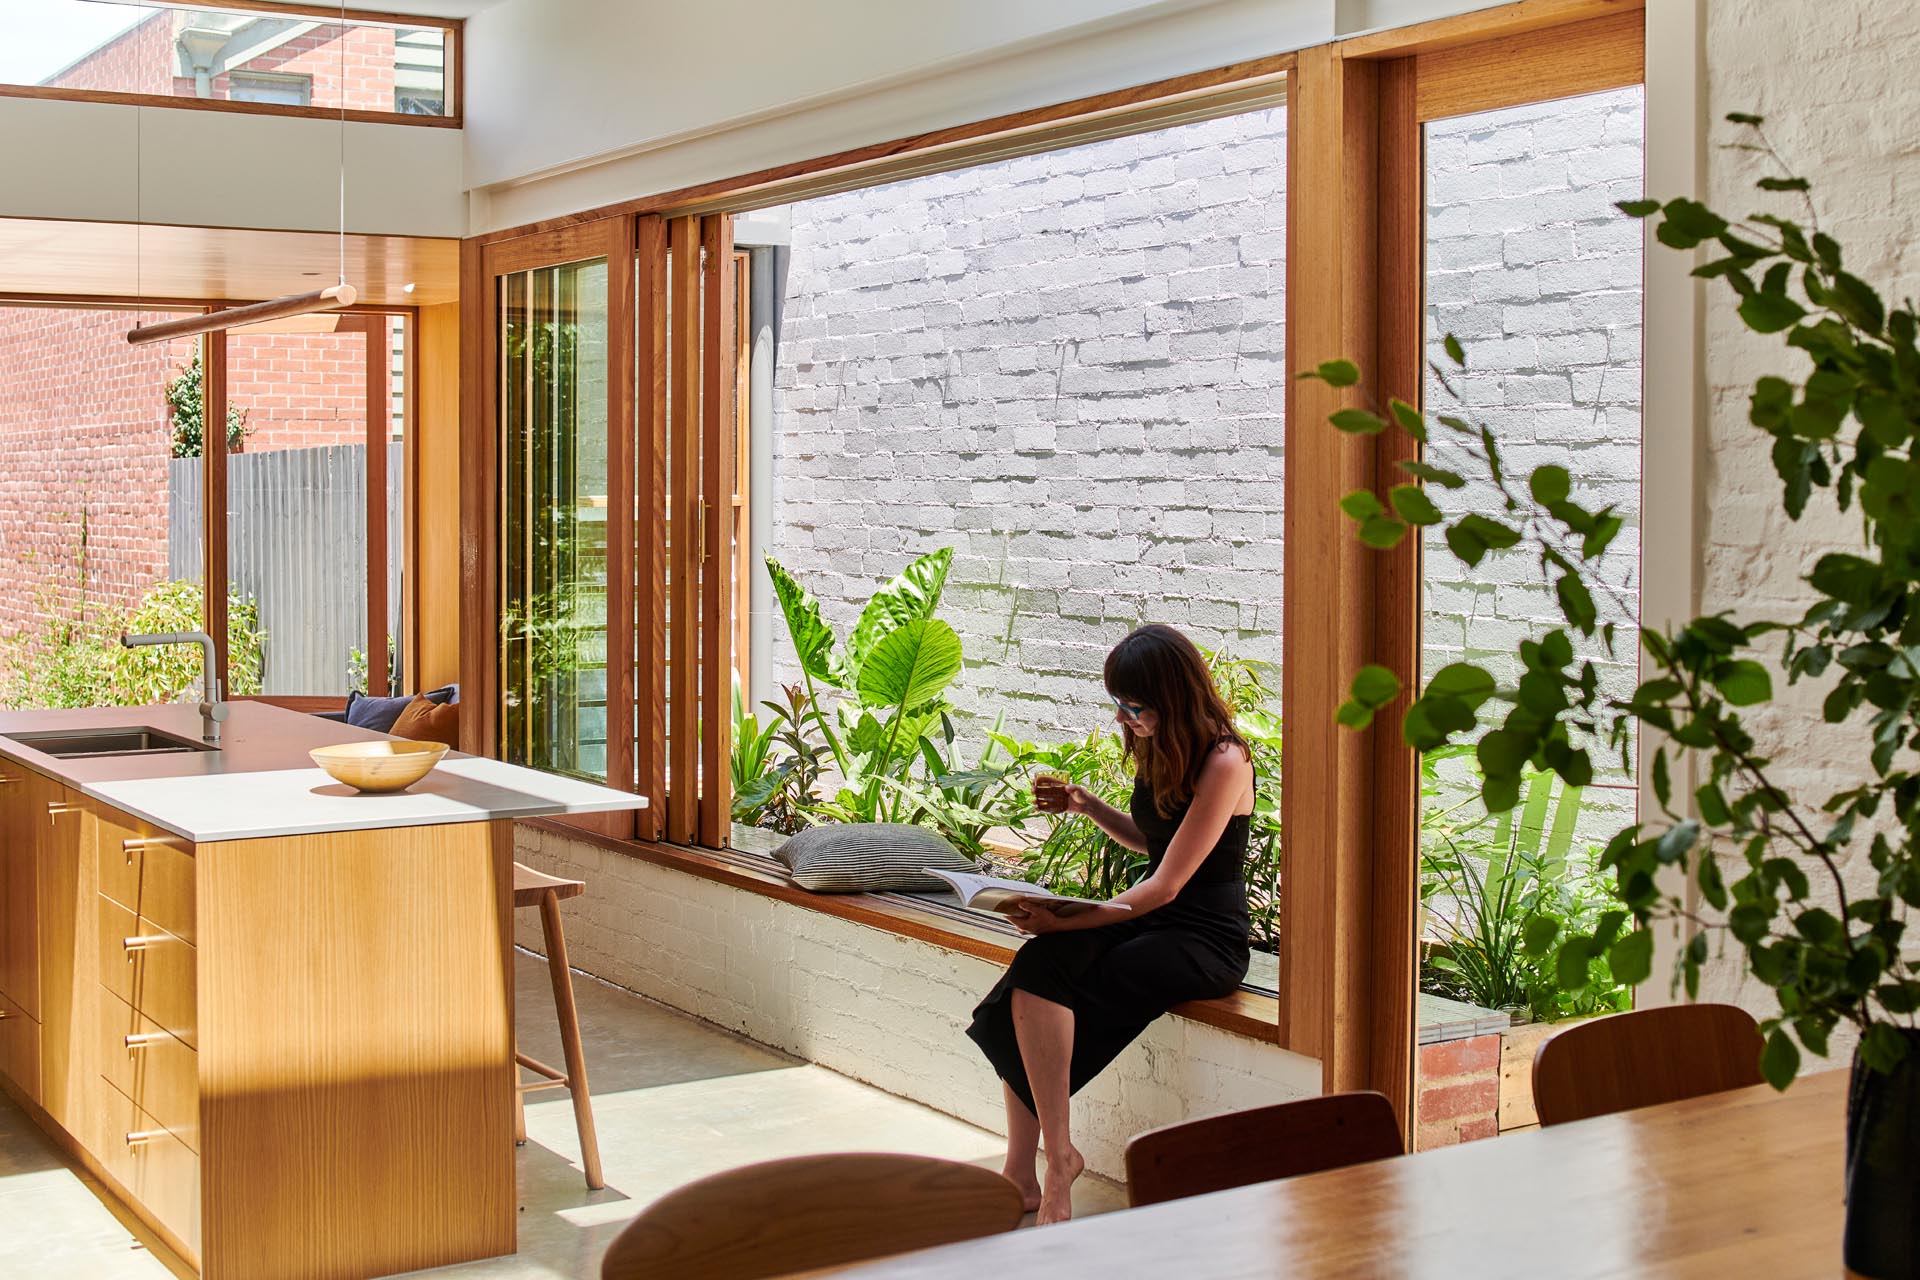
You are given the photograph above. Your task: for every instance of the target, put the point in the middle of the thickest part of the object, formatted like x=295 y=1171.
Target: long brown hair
x=1157 y=667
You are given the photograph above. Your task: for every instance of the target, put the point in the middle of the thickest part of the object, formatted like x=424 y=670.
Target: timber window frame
x=1355 y=290
x=452 y=85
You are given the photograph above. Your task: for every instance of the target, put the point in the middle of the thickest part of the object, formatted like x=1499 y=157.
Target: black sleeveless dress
x=1119 y=977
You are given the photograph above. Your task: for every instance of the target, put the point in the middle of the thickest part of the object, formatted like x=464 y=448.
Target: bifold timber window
x=261 y=57
x=609 y=430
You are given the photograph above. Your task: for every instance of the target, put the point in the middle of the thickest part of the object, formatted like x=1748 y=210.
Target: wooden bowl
x=392 y=765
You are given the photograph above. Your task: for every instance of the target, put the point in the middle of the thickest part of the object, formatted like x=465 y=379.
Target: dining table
x=1742 y=1185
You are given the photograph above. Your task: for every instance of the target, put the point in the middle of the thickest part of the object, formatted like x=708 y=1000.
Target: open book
x=991 y=893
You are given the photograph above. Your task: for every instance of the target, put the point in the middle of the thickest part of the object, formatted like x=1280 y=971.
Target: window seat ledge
x=1246 y=1013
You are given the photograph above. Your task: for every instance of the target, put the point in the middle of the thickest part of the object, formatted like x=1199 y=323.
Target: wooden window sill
x=1247 y=1013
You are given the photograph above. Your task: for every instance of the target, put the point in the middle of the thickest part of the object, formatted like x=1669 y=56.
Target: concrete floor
x=675 y=1099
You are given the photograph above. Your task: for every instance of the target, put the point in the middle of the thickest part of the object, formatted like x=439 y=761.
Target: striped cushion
x=869 y=857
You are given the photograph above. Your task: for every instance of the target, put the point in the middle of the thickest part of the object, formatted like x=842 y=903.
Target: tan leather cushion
x=426 y=721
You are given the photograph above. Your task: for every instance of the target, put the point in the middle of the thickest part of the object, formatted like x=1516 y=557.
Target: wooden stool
x=532 y=889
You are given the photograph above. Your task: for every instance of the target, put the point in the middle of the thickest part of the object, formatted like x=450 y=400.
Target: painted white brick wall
x=888 y=1010
x=1843 y=118
x=1069 y=367
x=1537 y=273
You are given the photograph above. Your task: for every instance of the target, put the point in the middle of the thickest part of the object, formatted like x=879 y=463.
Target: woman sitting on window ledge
x=1088 y=984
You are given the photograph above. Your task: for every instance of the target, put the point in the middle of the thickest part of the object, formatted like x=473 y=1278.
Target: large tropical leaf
x=911 y=596
x=910 y=666
x=812 y=637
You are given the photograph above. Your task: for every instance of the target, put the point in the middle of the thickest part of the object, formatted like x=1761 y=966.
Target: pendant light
x=332 y=298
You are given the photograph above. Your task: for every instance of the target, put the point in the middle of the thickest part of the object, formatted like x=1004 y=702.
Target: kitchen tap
x=213 y=709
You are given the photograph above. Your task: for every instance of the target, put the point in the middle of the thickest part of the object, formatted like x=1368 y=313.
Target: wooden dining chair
x=1242 y=1147
x=1644 y=1058
x=809 y=1212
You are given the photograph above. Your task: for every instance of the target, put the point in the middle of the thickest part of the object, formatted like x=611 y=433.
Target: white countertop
x=261 y=782
x=298 y=802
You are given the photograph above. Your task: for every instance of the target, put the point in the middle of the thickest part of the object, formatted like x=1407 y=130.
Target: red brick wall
x=84 y=426
x=1459 y=1092
x=299 y=389
x=84 y=429
x=137 y=61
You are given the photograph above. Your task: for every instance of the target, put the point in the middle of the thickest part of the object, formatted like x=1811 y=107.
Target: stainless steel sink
x=78 y=744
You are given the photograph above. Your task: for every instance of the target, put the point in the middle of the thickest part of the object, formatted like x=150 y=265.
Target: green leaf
x=1677 y=840
x=1336 y=373
x=1540 y=934
x=1357 y=422
x=1382 y=533
x=1472 y=685
x=1576 y=603
x=1550 y=484
x=1413 y=505
x=1433 y=475
x=913 y=594
x=1766 y=312
x=812 y=638
x=1743 y=682
x=1882 y=1047
x=1473 y=535
x=1847 y=578
x=1631 y=957
x=1409 y=419
x=911 y=666
x=1780 y=1060
x=1352 y=715
x=1783 y=184
x=1570 y=966
x=1744 y=117
x=1638 y=208
x=1374 y=686
x=1361 y=503
x=1455 y=352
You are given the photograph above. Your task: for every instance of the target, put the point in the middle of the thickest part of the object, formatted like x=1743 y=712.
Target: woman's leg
x=1023 y=1145
x=1044 y=1031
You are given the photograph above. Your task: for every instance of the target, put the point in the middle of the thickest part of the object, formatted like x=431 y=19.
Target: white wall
x=98 y=162
x=1843 y=119
x=882 y=1008
x=577 y=103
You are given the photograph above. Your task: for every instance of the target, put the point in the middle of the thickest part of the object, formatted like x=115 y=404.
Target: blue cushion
x=378 y=714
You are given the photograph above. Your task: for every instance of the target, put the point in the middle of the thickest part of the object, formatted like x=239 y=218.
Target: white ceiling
x=425 y=8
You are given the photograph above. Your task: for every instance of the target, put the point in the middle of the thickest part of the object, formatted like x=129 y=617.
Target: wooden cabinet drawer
x=20 y=1048
x=159 y=1171
x=160 y=1073
x=147 y=871
x=149 y=968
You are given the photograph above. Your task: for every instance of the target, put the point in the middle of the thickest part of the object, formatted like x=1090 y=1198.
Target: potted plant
x=1765 y=858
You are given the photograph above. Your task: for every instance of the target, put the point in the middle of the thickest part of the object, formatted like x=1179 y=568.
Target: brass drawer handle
x=143 y=1039
x=140 y=942
x=4 y=1015
x=6 y=778
x=57 y=807
x=140 y=1137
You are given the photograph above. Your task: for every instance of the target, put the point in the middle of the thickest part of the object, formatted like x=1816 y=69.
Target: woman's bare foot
x=1028 y=1183
x=1056 y=1200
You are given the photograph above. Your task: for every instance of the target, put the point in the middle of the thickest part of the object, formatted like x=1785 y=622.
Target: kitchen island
x=272 y=1015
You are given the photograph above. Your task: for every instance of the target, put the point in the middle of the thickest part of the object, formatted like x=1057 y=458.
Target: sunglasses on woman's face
x=1130 y=710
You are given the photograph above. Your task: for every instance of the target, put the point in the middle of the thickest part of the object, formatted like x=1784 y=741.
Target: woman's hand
x=1032 y=917
x=1057 y=795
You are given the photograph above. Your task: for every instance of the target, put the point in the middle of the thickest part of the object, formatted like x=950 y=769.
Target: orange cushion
x=426 y=721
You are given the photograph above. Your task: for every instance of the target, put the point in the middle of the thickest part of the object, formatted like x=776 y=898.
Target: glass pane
x=1066 y=371
x=282 y=59
x=1537 y=273
x=554 y=473
x=396 y=339
x=104 y=510
x=297 y=510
